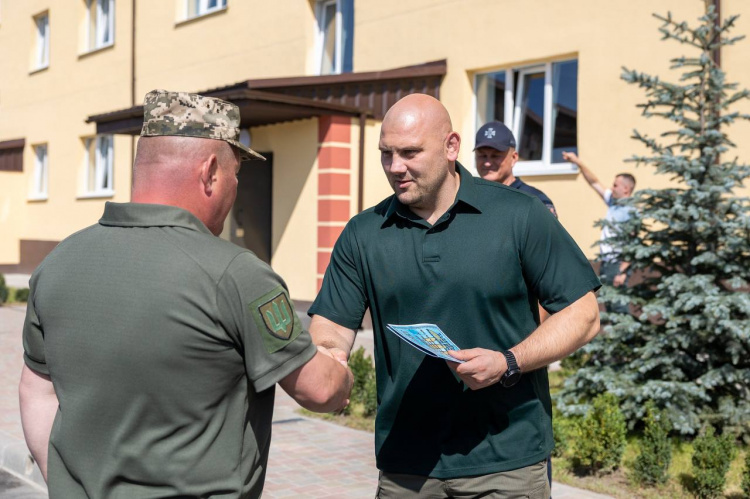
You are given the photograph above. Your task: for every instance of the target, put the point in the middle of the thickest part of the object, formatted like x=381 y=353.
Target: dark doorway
x=251 y=215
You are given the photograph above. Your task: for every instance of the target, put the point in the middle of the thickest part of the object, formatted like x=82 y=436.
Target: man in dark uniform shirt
x=496 y=155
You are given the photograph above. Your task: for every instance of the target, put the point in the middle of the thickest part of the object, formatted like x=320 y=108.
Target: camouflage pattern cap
x=193 y=115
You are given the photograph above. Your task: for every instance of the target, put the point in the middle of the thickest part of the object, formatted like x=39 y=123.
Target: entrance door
x=251 y=215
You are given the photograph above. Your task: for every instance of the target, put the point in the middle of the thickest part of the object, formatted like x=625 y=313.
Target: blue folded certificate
x=427 y=338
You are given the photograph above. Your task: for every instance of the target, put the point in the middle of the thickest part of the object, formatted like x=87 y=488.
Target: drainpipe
x=361 y=179
x=716 y=56
x=132 y=84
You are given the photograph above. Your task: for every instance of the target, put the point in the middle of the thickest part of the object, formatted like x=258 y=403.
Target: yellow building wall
x=258 y=39
x=50 y=106
x=294 y=201
x=488 y=35
x=249 y=39
x=376 y=185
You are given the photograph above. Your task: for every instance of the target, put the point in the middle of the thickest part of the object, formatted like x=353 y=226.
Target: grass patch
x=620 y=484
x=355 y=419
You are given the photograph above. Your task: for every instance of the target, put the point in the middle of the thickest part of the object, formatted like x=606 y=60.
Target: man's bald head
x=418 y=150
x=418 y=111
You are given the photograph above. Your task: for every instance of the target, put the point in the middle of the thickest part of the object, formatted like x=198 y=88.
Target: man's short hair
x=628 y=178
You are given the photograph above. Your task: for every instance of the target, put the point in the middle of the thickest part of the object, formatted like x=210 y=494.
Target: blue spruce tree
x=686 y=343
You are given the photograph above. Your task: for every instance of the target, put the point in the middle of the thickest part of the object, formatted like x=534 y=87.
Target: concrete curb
x=15 y=459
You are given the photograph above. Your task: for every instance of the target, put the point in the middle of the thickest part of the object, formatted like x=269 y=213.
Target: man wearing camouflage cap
x=152 y=347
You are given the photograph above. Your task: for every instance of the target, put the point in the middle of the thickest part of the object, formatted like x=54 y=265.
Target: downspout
x=132 y=85
x=132 y=58
x=361 y=178
x=716 y=56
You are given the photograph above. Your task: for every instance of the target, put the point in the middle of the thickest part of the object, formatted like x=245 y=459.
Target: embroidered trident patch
x=277 y=316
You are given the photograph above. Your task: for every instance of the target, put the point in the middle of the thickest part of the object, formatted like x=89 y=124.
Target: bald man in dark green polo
x=151 y=346
x=474 y=257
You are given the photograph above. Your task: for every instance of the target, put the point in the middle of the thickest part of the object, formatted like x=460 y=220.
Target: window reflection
x=329 y=38
x=564 y=108
x=521 y=103
x=531 y=107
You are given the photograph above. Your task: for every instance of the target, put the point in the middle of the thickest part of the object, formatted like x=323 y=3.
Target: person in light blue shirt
x=613 y=270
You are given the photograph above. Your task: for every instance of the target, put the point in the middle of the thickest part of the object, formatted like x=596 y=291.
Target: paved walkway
x=309 y=457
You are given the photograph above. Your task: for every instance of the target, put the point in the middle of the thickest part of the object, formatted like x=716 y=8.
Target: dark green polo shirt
x=478 y=273
x=164 y=344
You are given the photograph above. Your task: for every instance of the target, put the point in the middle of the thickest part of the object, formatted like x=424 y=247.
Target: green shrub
x=652 y=463
x=364 y=395
x=4 y=291
x=574 y=361
x=600 y=436
x=561 y=429
x=712 y=456
x=22 y=295
x=746 y=475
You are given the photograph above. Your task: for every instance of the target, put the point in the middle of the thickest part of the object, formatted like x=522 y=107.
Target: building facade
x=313 y=79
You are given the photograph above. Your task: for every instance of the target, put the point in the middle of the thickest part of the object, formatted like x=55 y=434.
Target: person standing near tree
x=495 y=155
x=613 y=269
x=152 y=347
x=475 y=258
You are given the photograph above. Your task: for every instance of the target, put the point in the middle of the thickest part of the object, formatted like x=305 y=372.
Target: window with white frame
x=196 y=8
x=100 y=23
x=335 y=38
x=41 y=173
x=540 y=105
x=98 y=166
x=41 y=54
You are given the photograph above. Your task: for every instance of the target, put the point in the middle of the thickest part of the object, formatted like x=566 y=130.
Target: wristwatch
x=513 y=374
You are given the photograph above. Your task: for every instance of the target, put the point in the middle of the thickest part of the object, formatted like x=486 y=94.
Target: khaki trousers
x=530 y=482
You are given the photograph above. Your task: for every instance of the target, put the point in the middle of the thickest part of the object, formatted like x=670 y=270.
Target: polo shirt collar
x=466 y=195
x=149 y=215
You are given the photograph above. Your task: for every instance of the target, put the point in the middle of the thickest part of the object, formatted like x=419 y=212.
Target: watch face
x=511 y=378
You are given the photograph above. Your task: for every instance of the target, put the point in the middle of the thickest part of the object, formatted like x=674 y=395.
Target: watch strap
x=511 y=360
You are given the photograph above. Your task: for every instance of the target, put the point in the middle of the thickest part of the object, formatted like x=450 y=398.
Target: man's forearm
x=587 y=174
x=330 y=335
x=560 y=335
x=321 y=385
x=39 y=406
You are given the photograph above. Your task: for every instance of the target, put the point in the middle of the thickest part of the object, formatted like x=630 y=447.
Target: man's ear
x=515 y=157
x=452 y=145
x=209 y=169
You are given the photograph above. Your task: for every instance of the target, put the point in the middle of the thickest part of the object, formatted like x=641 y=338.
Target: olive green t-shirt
x=478 y=273
x=163 y=343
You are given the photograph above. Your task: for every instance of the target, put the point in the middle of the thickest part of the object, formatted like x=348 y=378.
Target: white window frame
x=338 y=62
x=202 y=8
x=513 y=116
x=40 y=180
x=41 y=51
x=101 y=166
x=95 y=40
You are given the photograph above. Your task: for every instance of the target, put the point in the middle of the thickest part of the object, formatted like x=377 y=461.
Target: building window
x=11 y=155
x=100 y=23
x=335 y=39
x=98 y=166
x=540 y=105
x=41 y=173
x=41 y=54
x=197 y=8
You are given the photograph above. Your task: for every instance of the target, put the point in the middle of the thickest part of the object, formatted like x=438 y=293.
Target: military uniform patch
x=277 y=315
x=276 y=319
